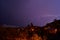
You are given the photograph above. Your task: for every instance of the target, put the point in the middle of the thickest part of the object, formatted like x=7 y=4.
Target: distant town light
x=32 y=29
x=18 y=29
x=55 y=30
x=47 y=28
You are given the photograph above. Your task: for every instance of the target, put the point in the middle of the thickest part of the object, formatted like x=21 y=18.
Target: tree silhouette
x=31 y=24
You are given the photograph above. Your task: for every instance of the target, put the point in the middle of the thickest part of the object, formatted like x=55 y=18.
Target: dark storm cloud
x=22 y=12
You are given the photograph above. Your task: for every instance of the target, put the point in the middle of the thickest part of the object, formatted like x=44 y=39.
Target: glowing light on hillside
x=32 y=29
x=55 y=30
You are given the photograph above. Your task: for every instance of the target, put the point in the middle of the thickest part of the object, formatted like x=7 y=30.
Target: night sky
x=23 y=12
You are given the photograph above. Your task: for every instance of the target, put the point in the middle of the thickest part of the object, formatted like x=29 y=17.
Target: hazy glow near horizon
x=22 y=12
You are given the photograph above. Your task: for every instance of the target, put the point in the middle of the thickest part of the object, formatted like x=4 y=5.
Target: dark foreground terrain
x=50 y=31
